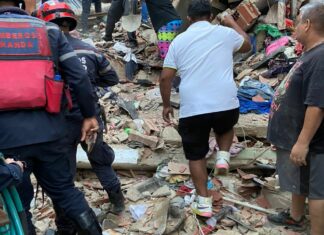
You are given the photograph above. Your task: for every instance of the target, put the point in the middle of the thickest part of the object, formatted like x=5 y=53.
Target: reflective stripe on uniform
x=52 y=27
x=67 y=56
x=87 y=52
x=105 y=70
x=24 y=20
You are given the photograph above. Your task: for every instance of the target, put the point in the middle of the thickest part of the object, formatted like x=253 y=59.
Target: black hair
x=59 y=21
x=199 y=9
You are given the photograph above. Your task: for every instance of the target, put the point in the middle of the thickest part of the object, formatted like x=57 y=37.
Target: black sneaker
x=107 y=38
x=284 y=219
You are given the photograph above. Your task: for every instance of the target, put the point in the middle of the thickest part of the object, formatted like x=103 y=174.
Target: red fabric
x=23 y=85
x=54 y=92
x=26 y=82
x=289 y=23
x=184 y=190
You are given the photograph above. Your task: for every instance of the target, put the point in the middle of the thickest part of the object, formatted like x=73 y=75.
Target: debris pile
x=149 y=159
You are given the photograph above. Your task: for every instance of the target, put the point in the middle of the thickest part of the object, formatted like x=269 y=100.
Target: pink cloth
x=283 y=41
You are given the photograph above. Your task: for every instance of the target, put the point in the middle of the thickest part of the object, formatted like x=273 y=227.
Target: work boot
x=60 y=232
x=64 y=225
x=284 y=219
x=107 y=38
x=117 y=201
x=88 y=224
x=203 y=206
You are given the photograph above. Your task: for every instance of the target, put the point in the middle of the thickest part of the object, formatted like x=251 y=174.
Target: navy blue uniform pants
x=51 y=166
x=101 y=159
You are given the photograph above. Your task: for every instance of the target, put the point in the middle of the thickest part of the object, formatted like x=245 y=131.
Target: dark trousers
x=51 y=166
x=101 y=159
x=115 y=12
x=86 y=6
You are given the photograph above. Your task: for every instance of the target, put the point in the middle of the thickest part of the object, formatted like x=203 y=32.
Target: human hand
x=9 y=160
x=12 y=161
x=226 y=18
x=89 y=126
x=167 y=112
x=299 y=153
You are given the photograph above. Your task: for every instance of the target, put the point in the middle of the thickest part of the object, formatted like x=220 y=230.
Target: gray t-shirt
x=302 y=87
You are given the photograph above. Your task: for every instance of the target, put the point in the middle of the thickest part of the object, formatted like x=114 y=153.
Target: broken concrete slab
x=139 y=191
x=155 y=220
x=277 y=199
x=171 y=136
x=226 y=232
x=160 y=216
x=122 y=136
x=125 y=157
x=149 y=36
x=150 y=141
x=178 y=168
x=162 y=192
x=252 y=125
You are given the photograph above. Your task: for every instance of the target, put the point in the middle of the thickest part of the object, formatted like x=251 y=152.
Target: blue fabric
x=247 y=105
x=51 y=166
x=251 y=87
x=145 y=14
x=9 y=174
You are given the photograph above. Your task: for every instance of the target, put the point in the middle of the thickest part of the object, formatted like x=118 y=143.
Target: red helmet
x=54 y=11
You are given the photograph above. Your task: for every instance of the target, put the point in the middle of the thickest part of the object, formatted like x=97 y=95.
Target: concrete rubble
x=154 y=173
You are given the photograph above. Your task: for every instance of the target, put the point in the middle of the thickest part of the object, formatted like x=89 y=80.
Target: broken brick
x=246 y=15
x=263 y=202
x=147 y=140
x=150 y=128
x=245 y=176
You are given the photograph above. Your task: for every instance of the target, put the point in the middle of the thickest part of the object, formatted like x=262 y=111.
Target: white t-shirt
x=203 y=55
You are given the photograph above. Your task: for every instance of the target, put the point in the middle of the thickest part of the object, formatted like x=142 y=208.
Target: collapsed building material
x=246 y=15
x=246 y=204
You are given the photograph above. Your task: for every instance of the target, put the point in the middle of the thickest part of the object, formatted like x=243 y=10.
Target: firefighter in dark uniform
x=101 y=74
x=11 y=172
x=34 y=55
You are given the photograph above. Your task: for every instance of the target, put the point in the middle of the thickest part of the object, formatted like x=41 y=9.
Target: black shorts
x=195 y=131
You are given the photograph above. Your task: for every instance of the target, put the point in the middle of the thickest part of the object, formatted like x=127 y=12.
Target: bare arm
x=165 y=88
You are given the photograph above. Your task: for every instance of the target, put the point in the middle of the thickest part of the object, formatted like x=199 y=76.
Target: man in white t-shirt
x=203 y=56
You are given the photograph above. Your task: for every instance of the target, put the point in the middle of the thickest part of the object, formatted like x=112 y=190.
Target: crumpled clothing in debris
x=251 y=87
x=271 y=30
x=247 y=105
x=277 y=69
x=274 y=46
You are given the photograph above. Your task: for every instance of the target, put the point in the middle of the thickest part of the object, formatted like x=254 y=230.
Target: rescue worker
x=11 y=172
x=33 y=56
x=101 y=74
